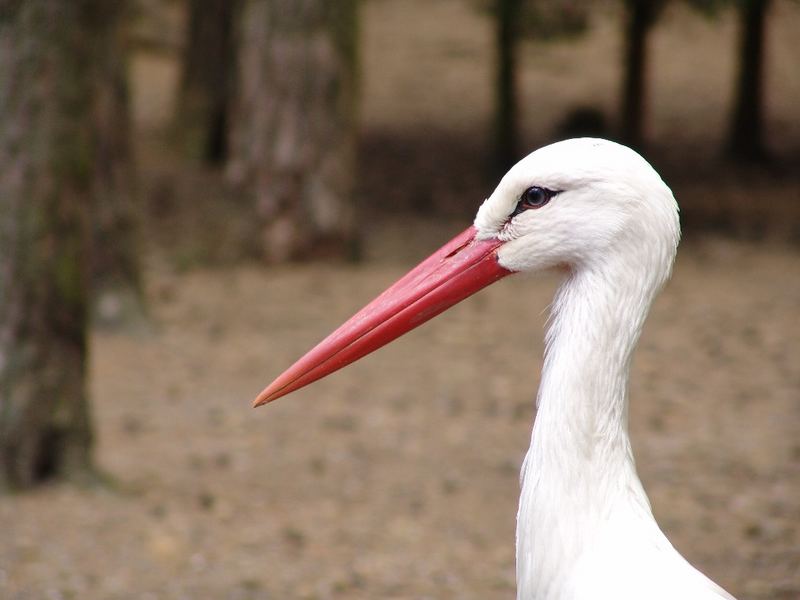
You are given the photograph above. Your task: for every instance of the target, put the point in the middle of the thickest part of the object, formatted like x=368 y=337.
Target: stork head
x=579 y=203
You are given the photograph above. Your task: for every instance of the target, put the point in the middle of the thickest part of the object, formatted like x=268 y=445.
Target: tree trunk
x=640 y=16
x=294 y=134
x=506 y=108
x=116 y=280
x=746 y=137
x=46 y=152
x=208 y=68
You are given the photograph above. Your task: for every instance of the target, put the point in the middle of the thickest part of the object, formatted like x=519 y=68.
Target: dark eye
x=533 y=197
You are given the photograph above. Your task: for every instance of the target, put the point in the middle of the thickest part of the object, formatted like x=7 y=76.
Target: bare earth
x=398 y=477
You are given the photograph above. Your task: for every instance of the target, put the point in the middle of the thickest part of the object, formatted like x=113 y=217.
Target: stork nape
x=599 y=212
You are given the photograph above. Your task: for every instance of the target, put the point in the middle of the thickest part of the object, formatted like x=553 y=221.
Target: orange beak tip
x=265 y=397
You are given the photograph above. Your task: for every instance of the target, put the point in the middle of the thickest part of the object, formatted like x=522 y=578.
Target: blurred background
x=193 y=192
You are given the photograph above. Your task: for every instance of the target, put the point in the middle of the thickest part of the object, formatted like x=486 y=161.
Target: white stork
x=598 y=211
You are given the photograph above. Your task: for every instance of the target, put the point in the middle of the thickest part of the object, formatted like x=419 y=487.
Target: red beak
x=455 y=271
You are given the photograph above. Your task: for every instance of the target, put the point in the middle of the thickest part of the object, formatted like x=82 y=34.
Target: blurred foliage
x=544 y=20
x=555 y=19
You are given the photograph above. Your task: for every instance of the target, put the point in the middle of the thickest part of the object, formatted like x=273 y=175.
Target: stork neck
x=579 y=470
x=583 y=398
x=580 y=490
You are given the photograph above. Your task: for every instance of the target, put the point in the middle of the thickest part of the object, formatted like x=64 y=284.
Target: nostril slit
x=457 y=250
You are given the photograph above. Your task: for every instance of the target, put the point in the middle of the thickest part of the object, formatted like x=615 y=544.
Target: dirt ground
x=398 y=477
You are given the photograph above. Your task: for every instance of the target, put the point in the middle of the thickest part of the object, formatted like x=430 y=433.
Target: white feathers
x=584 y=528
x=610 y=198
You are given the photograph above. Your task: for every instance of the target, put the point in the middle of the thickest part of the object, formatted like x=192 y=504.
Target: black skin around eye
x=532 y=198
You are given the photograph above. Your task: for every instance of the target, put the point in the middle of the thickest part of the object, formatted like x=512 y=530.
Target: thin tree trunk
x=746 y=137
x=46 y=152
x=116 y=278
x=640 y=16
x=294 y=136
x=506 y=107
x=207 y=81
